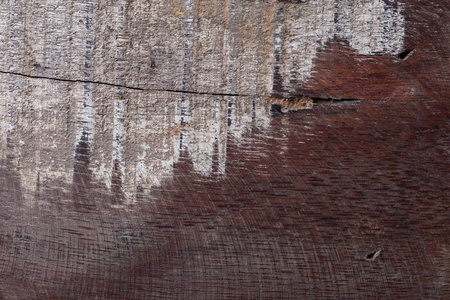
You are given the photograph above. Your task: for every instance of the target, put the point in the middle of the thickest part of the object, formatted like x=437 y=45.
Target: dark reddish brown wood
x=343 y=201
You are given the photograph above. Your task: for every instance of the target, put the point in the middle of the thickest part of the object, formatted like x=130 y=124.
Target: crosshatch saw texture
x=143 y=153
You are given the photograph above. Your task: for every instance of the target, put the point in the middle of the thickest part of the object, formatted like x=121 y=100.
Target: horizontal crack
x=129 y=87
x=285 y=101
x=342 y=101
x=212 y=93
x=72 y=80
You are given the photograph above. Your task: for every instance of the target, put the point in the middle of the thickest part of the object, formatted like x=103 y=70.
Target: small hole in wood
x=404 y=54
x=373 y=255
x=275 y=108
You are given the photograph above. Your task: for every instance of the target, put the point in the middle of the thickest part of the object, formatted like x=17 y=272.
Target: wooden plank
x=140 y=155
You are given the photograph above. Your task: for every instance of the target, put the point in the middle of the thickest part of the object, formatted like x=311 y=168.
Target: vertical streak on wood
x=5 y=118
x=83 y=42
x=221 y=135
x=187 y=45
x=118 y=139
x=278 y=84
x=16 y=38
x=230 y=56
x=123 y=36
x=102 y=150
x=188 y=40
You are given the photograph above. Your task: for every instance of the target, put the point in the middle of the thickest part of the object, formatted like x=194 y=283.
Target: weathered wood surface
x=168 y=195
x=115 y=185
x=323 y=48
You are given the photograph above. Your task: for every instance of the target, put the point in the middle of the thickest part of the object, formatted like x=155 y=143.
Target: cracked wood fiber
x=143 y=154
x=326 y=48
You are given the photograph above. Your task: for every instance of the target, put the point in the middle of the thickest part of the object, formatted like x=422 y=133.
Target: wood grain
x=328 y=48
x=143 y=152
x=343 y=200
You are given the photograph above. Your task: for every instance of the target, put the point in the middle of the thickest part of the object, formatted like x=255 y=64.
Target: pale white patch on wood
x=46 y=124
x=220 y=46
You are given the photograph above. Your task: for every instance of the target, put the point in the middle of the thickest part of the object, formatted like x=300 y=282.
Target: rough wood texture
x=325 y=48
x=156 y=194
x=115 y=184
